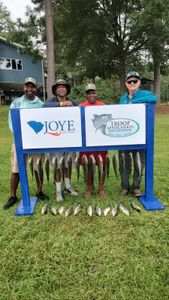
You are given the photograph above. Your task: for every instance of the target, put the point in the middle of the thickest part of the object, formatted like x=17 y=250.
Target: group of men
x=61 y=90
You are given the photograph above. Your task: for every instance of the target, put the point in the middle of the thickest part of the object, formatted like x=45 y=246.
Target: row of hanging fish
x=91 y=210
x=88 y=165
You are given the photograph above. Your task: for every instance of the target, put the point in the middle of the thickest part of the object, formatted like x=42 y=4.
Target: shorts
x=65 y=155
x=95 y=154
x=14 y=162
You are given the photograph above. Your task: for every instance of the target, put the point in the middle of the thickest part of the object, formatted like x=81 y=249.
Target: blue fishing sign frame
x=148 y=200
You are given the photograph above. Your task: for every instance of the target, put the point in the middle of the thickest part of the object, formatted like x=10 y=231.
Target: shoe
x=137 y=193
x=42 y=196
x=71 y=191
x=124 y=192
x=11 y=201
x=59 y=197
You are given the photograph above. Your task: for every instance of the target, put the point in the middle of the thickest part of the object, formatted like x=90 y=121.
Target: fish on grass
x=69 y=211
x=135 y=206
x=98 y=211
x=90 y=210
x=115 y=210
x=60 y=210
x=53 y=210
x=45 y=209
x=77 y=209
x=106 y=211
x=124 y=209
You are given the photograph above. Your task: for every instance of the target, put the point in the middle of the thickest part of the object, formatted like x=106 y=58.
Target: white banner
x=110 y=125
x=51 y=128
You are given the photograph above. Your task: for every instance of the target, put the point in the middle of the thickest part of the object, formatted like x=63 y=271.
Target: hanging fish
x=40 y=170
x=130 y=163
x=90 y=210
x=60 y=210
x=98 y=211
x=45 y=209
x=77 y=166
x=85 y=167
x=137 y=163
x=55 y=167
x=62 y=167
x=115 y=165
x=124 y=209
x=69 y=161
x=53 y=210
x=30 y=162
x=115 y=210
x=135 y=206
x=77 y=209
x=47 y=168
x=106 y=211
x=69 y=211
x=107 y=166
x=100 y=167
x=92 y=164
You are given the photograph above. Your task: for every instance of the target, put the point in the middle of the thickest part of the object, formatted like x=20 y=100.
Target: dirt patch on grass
x=162 y=109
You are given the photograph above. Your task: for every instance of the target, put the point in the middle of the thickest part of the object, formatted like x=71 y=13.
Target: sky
x=17 y=8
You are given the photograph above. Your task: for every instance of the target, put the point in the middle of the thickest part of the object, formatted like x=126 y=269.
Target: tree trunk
x=122 y=75
x=157 y=81
x=49 y=47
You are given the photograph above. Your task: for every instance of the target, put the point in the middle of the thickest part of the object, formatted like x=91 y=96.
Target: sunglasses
x=132 y=81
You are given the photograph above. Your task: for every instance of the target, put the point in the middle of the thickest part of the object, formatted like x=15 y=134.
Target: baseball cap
x=90 y=87
x=30 y=80
x=133 y=74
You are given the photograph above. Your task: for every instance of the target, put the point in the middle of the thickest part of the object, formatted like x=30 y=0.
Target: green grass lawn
x=53 y=257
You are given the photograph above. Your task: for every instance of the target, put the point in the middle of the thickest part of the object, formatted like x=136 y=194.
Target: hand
x=68 y=103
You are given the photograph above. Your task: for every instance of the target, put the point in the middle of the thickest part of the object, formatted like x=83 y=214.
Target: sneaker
x=59 y=196
x=11 y=201
x=124 y=192
x=71 y=191
x=42 y=196
x=137 y=192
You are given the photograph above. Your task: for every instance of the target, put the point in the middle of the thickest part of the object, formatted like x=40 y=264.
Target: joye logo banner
x=51 y=128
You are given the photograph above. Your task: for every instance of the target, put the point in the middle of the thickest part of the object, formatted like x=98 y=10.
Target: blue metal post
x=27 y=205
x=148 y=200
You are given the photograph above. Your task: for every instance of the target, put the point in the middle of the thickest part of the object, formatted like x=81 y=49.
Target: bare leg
x=101 y=191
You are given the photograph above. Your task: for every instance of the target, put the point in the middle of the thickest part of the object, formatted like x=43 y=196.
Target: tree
x=49 y=45
x=156 y=20
x=6 y=24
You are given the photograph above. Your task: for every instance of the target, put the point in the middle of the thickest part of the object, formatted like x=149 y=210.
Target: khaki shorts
x=14 y=162
x=65 y=155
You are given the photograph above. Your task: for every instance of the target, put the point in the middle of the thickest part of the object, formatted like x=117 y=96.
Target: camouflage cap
x=90 y=87
x=132 y=74
x=30 y=80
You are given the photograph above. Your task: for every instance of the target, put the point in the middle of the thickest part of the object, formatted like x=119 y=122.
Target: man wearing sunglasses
x=133 y=95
